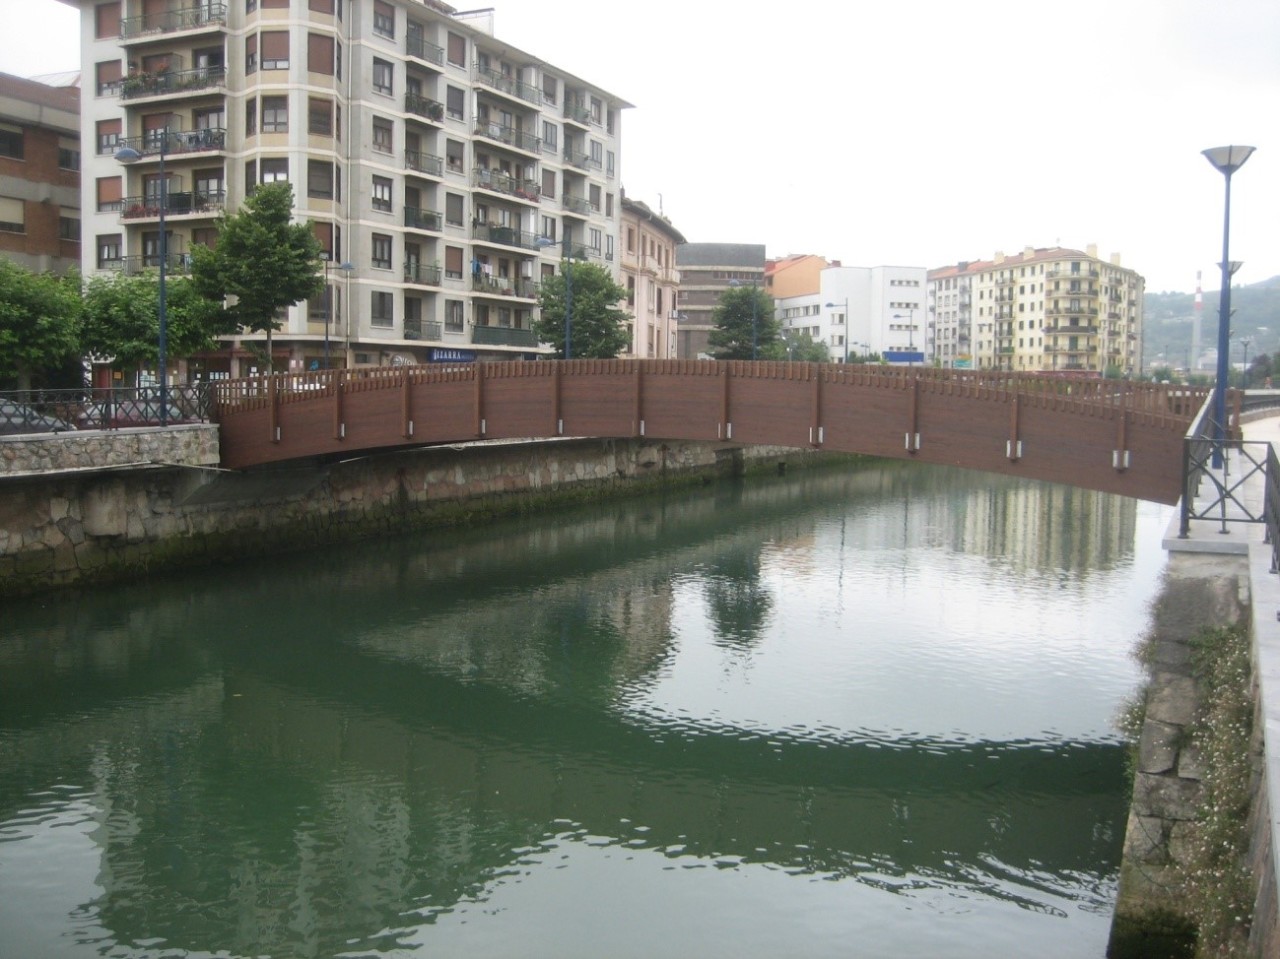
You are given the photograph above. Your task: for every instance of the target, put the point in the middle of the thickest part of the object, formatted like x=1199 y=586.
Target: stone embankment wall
x=61 y=528
x=43 y=454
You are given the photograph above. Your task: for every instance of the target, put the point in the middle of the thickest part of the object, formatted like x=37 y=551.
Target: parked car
x=19 y=418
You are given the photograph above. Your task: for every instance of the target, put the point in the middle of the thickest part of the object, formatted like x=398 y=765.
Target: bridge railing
x=107 y=408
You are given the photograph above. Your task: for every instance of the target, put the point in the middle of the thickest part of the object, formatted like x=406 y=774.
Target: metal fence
x=60 y=411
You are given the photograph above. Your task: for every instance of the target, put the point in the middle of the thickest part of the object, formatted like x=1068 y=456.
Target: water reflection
x=339 y=753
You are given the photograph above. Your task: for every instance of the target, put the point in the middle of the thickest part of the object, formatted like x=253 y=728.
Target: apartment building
x=651 y=279
x=706 y=271
x=39 y=174
x=445 y=172
x=1043 y=310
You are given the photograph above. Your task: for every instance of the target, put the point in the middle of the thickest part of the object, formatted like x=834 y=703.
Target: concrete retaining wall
x=44 y=453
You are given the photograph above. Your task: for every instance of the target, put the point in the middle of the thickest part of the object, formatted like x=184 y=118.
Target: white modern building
x=445 y=171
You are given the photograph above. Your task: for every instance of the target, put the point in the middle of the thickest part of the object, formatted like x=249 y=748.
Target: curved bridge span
x=1108 y=435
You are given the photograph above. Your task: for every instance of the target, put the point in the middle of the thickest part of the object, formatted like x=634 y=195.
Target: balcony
x=139 y=86
x=178 y=203
x=425 y=163
x=502 y=336
x=175 y=143
x=1062 y=271
x=1072 y=329
x=1075 y=310
x=504 y=286
x=424 y=107
x=422 y=274
x=416 y=218
x=425 y=50
x=504 y=235
x=576 y=204
x=508 y=135
x=1071 y=350
x=502 y=183
x=516 y=89
x=174 y=263
x=201 y=17
x=577 y=111
x=574 y=158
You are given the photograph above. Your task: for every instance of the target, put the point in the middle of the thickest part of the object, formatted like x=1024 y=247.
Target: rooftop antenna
x=660 y=213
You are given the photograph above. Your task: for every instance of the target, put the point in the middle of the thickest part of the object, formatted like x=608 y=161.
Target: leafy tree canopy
x=122 y=318
x=39 y=322
x=745 y=324
x=799 y=347
x=262 y=261
x=599 y=328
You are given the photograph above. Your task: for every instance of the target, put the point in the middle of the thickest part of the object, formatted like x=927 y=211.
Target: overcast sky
x=913 y=132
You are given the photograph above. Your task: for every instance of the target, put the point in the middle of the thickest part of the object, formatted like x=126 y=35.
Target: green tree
x=599 y=328
x=745 y=325
x=262 y=261
x=799 y=347
x=39 y=322
x=122 y=319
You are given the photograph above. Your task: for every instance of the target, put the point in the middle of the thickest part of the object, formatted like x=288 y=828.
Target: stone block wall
x=45 y=453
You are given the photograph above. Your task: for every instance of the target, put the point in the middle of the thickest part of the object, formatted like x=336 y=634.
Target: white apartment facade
x=445 y=172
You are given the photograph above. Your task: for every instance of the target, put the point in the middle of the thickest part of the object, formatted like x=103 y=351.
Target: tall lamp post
x=1226 y=160
x=832 y=306
x=346 y=268
x=1246 y=342
x=566 y=268
x=128 y=155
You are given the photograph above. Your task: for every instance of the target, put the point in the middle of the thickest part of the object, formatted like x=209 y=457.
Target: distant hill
x=1255 y=316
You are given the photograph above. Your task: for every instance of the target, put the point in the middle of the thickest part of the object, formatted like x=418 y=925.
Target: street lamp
x=128 y=155
x=832 y=306
x=566 y=268
x=911 y=336
x=755 y=317
x=1246 y=342
x=328 y=299
x=1226 y=160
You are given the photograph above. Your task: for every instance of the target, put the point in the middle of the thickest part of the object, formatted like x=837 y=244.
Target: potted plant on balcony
x=435 y=110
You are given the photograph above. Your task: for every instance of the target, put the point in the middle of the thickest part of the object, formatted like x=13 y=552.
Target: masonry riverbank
x=105 y=507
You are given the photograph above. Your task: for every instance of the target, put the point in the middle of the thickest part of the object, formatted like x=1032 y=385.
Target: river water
x=860 y=711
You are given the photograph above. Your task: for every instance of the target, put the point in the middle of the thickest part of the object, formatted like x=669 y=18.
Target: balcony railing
x=140 y=85
x=574 y=158
x=423 y=274
x=421 y=106
x=1068 y=311
x=504 y=286
x=576 y=204
x=502 y=183
x=502 y=336
x=424 y=50
x=133 y=265
x=506 y=235
x=417 y=218
x=1061 y=271
x=508 y=135
x=507 y=84
x=174 y=142
x=177 y=203
x=1072 y=330
x=577 y=111
x=169 y=21
x=427 y=163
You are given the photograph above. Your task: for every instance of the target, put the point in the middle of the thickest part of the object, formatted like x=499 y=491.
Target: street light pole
x=832 y=306
x=127 y=155
x=1226 y=160
x=1246 y=342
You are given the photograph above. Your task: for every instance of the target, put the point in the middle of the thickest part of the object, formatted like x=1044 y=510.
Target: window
x=453 y=155
x=108 y=132
x=106 y=20
x=11 y=141
x=320 y=117
x=453 y=209
x=209 y=183
x=382 y=135
x=382 y=76
x=109 y=194
x=69 y=225
x=594 y=240
x=12 y=215
x=457 y=50
x=550 y=136
x=549 y=184
x=453 y=316
x=548 y=227
x=320 y=6
x=381 y=251
x=549 y=88
x=453 y=262
x=594 y=197
x=597 y=110
x=320 y=179
x=251 y=116
x=320 y=54
x=274 y=169
x=275 y=50
x=611 y=163
x=384 y=19
x=108 y=76
x=275 y=114
x=211 y=119
x=108 y=251
x=276 y=4
x=454 y=103
x=597 y=154
x=381 y=195
x=380 y=309
x=251 y=53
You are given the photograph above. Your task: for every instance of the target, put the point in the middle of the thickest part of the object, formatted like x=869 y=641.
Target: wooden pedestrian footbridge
x=1109 y=435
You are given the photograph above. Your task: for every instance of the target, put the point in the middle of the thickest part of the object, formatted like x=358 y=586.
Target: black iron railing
x=60 y=411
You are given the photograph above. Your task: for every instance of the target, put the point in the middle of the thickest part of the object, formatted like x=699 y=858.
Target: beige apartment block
x=1044 y=310
x=445 y=171
x=651 y=279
